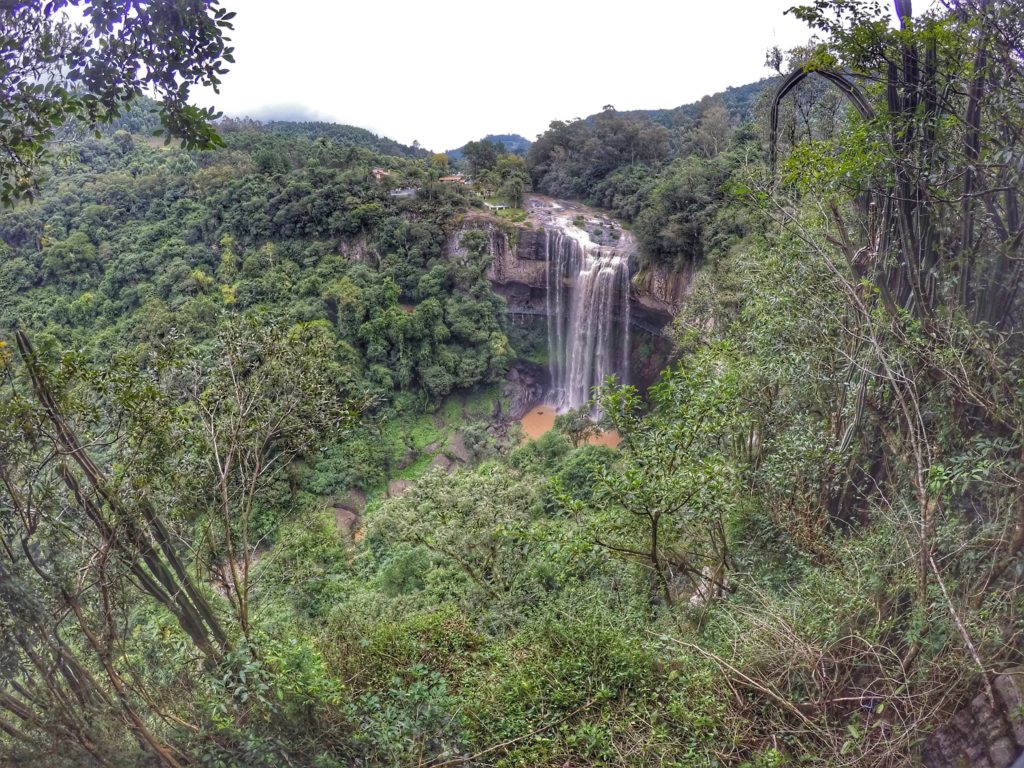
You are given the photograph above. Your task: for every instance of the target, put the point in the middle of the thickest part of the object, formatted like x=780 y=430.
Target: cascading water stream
x=588 y=315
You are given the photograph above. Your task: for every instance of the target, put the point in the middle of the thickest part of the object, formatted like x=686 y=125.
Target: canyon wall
x=519 y=268
x=525 y=258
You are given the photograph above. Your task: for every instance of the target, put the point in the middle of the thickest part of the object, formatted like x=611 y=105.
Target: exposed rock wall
x=984 y=734
x=661 y=291
x=519 y=270
x=518 y=255
x=524 y=388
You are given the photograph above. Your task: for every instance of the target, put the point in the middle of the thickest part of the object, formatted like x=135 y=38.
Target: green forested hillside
x=740 y=102
x=133 y=248
x=345 y=136
x=670 y=173
x=804 y=552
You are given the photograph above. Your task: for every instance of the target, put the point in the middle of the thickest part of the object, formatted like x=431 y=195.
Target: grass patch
x=474 y=405
x=513 y=215
x=414 y=470
x=417 y=431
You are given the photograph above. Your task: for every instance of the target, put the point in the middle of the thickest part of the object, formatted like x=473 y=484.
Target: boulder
x=457 y=448
x=397 y=488
x=524 y=388
x=347 y=520
x=354 y=500
x=407 y=459
x=442 y=463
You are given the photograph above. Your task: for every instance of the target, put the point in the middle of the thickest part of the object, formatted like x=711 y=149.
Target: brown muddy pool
x=542 y=419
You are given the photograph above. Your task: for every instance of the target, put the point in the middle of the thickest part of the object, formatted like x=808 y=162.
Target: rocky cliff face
x=661 y=291
x=518 y=262
x=518 y=265
x=987 y=733
x=519 y=255
x=519 y=270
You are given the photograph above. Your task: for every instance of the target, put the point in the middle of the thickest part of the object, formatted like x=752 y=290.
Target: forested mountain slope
x=739 y=101
x=134 y=248
x=344 y=136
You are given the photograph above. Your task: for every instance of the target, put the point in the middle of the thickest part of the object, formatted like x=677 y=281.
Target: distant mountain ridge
x=141 y=118
x=740 y=101
x=512 y=142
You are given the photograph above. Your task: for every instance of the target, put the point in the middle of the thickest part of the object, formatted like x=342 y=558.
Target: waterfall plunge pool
x=541 y=419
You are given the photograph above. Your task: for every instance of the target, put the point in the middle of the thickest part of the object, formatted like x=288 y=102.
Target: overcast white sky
x=449 y=71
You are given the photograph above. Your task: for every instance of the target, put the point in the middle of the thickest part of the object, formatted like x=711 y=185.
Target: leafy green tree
x=272 y=395
x=917 y=156
x=512 y=179
x=440 y=162
x=55 y=70
x=713 y=131
x=477 y=521
x=669 y=503
x=572 y=158
x=482 y=155
x=673 y=227
x=577 y=425
x=122 y=545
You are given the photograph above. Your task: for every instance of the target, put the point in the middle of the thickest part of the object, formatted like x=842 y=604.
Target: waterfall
x=587 y=305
